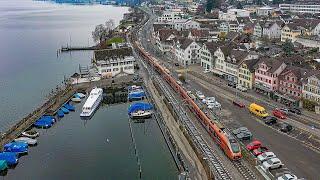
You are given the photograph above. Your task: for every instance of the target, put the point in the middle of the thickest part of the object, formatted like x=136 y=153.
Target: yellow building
x=300 y=27
x=246 y=73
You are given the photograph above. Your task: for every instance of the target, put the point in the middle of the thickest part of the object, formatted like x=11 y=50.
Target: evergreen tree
x=288 y=47
x=209 y=6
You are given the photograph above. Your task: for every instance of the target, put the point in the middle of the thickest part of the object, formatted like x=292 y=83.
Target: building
x=171 y=15
x=187 y=51
x=266 y=75
x=305 y=27
x=113 y=62
x=232 y=14
x=165 y=39
x=246 y=73
x=206 y=53
x=311 y=88
x=309 y=41
x=185 y=24
x=300 y=8
x=271 y=30
x=290 y=85
x=242 y=22
x=265 y=11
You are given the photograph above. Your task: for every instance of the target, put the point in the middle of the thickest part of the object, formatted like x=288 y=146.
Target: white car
x=265 y=156
x=241 y=88
x=272 y=163
x=209 y=100
x=214 y=105
x=200 y=95
x=287 y=176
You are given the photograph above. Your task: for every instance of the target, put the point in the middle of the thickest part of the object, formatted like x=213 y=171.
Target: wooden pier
x=51 y=106
x=79 y=48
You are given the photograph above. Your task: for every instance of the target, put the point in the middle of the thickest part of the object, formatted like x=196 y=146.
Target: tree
x=212 y=4
x=110 y=25
x=100 y=33
x=288 y=47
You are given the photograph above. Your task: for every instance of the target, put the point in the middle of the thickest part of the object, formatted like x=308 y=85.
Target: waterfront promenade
x=55 y=101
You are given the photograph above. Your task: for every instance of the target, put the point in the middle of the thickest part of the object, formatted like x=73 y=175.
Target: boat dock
x=77 y=48
x=55 y=101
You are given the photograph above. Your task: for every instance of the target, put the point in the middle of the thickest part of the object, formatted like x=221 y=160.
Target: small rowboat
x=60 y=113
x=30 y=134
x=76 y=99
x=65 y=110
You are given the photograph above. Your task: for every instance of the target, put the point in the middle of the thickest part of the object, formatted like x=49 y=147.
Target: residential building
x=242 y=22
x=266 y=75
x=171 y=15
x=300 y=8
x=206 y=53
x=114 y=62
x=290 y=85
x=265 y=11
x=267 y=29
x=165 y=39
x=232 y=14
x=246 y=73
x=224 y=27
x=311 y=88
x=233 y=26
x=187 y=51
x=300 y=27
x=309 y=41
x=185 y=24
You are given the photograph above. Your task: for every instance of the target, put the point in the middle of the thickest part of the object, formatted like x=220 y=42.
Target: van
x=258 y=110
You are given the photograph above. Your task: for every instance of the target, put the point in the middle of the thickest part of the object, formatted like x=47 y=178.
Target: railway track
x=244 y=170
x=216 y=166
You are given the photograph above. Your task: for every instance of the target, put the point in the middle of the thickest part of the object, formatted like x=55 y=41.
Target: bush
x=309 y=105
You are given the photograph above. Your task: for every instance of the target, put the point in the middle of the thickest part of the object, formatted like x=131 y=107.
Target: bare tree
x=100 y=33
x=110 y=25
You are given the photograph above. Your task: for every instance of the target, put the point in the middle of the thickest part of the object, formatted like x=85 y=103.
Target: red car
x=260 y=150
x=279 y=114
x=253 y=145
x=239 y=104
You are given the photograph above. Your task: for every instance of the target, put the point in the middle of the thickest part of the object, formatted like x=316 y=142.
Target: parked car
x=238 y=103
x=279 y=114
x=265 y=156
x=241 y=88
x=287 y=176
x=272 y=163
x=214 y=105
x=176 y=64
x=209 y=100
x=270 y=120
x=232 y=84
x=200 y=95
x=284 y=110
x=260 y=150
x=253 y=145
x=206 y=71
x=295 y=110
x=285 y=127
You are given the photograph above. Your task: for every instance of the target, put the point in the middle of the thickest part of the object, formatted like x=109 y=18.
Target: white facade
x=300 y=8
x=313 y=41
x=184 y=24
x=193 y=8
x=206 y=58
x=274 y=31
x=311 y=89
x=114 y=66
x=220 y=64
x=189 y=55
x=265 y=11
x=231 y=14
x=171 y=15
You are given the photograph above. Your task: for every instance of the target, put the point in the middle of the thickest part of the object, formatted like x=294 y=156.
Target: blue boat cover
x=139 y=106
x=76 y=95
x=60 y=113
x=130 y=88
x=10 y=157
x=65 y=110
x=16 y=147
x=69 y=107
x=137 y=95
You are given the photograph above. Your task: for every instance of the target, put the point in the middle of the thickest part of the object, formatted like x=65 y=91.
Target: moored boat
x=81 y=95
x=92 y=102
x=30 y=134
x=10 y=157
x=27 y=140
x=60 y=113
x=69 y=107
x=141 y=114
x=17 y=147
x=65 y=110
x=76 y=99
x=3 y=165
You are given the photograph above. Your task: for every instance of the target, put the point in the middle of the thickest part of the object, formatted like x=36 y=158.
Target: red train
x=226 y=142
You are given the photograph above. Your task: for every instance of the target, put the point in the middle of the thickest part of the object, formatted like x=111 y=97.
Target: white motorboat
x=141 y=114
x=81 y=95
x=30 y=134
x=77 y=100
x=92 y=102
x=27 y=140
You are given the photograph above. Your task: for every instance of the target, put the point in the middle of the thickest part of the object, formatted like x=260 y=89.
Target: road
x=299 y=158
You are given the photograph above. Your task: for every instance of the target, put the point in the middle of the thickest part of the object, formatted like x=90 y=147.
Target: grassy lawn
x=115 y=40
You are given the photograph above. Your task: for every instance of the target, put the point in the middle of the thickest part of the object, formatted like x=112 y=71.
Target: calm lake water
x=101 y=148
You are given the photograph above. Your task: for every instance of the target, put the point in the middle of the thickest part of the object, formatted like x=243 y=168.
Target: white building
x=311 y=88
x=113 y=62
x=187 y=51
x=232 y=14
x=300 y=8
x=184 y=24
x=193 y=7
x=265 y=11
x=206 y=53
x=171 y=15
x=267 y=29
x=309 y=41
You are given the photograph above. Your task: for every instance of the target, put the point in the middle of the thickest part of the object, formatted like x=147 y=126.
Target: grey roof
x=237 y=56
x=212 y=46
x=185 y=43
x=274 y=64
x=300 y=73
x=250 y=64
